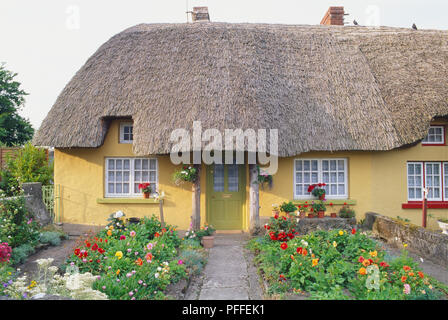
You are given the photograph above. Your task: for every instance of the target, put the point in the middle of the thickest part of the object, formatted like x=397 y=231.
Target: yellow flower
x=335 y=244
x=373 y=253
x=362 y=271
x=341 y=232
x=118 y=272
x=111 y=228
x=315 y=261
x=119 y=254
x=109 y=232
x=405 y=245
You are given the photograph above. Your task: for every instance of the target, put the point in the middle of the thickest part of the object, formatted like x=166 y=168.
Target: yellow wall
x=80 y=173
x=377 y=181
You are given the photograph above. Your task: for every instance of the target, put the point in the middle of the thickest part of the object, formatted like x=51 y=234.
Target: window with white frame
x=436 y=135
x=332 y=172
x=432 y=175
x=126 y=132
x=123 y=176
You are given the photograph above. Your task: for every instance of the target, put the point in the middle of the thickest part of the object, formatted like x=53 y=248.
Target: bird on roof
x=355 y=22
x=414 y=26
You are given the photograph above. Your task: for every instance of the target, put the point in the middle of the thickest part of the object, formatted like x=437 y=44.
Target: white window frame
x=422 y=165
x=319 y=177
x=440 y=179
x=442 y=174
x=131 y=193
x=122 y=126
x=425 y=140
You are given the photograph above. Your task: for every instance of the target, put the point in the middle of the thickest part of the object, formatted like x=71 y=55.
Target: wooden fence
x=4 y=152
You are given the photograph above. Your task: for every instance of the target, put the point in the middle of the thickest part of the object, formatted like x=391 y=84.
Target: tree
x=14 y=130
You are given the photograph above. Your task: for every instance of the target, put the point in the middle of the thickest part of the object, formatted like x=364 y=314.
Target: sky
x=47 y=41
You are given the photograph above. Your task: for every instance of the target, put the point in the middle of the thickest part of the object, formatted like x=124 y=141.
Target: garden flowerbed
x=338 y=265
x=124 y=261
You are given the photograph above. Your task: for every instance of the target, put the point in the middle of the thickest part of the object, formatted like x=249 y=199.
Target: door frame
x=209 y=185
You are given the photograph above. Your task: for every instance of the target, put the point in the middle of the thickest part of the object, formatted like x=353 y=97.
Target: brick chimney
x=200 y=14
x=334 y=17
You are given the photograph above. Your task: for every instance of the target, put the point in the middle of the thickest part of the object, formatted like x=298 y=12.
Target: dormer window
x=436 y=136
x=126 y=132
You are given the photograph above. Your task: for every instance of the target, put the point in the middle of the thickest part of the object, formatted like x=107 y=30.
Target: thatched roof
x=324 y=87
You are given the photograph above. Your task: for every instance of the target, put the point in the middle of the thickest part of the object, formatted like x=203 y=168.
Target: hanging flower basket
x=264 y=178
x=186 y=174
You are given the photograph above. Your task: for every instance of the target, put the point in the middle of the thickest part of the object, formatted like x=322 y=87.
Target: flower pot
x=443 y=226
x=146 y=195
x=310 y=215
x=321 y=214
x=333 y=215
x=207 y=241
x=322 y=197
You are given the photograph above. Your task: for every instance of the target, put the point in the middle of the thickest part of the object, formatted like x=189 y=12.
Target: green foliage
x=337 y=264
x=194 y=260
x=288 y=207
x=318 y=205
x=51 y=237
x=206 y=230
x=346 y=212
x=16 y=223
x=21 y=253
x=14 y=130
x=186 y=174
x=135 y=260
x=30 y=165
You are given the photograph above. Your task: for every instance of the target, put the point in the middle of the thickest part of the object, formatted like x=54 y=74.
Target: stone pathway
x=229 y=273
x=58 y=253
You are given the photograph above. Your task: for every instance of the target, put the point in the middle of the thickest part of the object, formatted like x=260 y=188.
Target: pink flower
x=122 y=237
x=407 y=288
x=132 y=233
x=180 y=262
x=131 y=293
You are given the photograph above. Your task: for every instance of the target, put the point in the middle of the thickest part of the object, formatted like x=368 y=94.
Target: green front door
x=226 y=187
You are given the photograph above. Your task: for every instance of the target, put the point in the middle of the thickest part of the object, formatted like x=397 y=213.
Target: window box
x=127 y=200
x=430 y=204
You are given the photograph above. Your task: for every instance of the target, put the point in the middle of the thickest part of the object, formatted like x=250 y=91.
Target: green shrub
x=194 y=260
x=30 y=165
x=288 y=207
x=346 y=212
x=21 y=253
x=50 y=237
x=17 y=225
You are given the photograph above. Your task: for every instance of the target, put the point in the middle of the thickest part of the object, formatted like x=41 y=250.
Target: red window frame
x=432 y=204
x=431 y=144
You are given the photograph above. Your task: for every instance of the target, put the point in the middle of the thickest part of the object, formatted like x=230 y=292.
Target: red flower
x=156 y=235
x=420 y=274
x=122 y=237
x=87 y=244
x=282 y=277
x=331 y=204
x=101 y=250
x=311 y=187
x=77 y=252
x=276 y=216
x=361 y=259
x=85 y=254
x=345 y=203
x=268 y=227
x=284 y=218
x=284 y=246
x=163 y=230
x=299 y=250
x=353 y=231
x=98 y=261
x=384 y=264
x=94 y=247
x=403 y=279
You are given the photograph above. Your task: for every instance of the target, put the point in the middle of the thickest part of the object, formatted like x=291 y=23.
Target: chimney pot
x=200 y=14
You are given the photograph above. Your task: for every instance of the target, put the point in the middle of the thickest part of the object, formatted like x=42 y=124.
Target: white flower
x=159 y=268
x=118 y=214
x=156 y=275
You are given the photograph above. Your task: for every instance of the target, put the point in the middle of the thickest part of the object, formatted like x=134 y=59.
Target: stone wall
x=307 y=225
x=426 y=243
